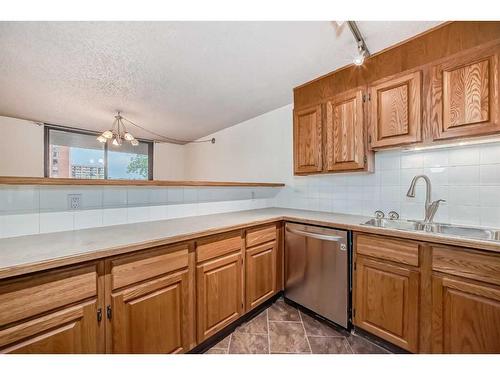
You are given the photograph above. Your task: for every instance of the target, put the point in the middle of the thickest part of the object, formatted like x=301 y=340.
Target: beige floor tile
x=329 y=345
x=280 y=311
x=257 y=325
x=287 y=337
x=248 y=343
x=314 y=327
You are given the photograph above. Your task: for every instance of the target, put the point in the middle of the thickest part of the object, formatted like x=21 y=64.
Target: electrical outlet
x=74 y=201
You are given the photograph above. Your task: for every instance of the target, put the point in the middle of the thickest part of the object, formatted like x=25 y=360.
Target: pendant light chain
x=167 y=139
x=119 y=132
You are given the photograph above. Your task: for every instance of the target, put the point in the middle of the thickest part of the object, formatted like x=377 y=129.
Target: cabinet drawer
x=396 y=250
x=31 y=295
x=216 y=246
x=467 y=263
x=145 y=265
x=257 y=236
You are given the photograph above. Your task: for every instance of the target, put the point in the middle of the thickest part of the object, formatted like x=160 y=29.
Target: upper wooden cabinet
x=308 y=140
x=56 y=312
x=396 y=110
x=465 y=97
x=345 y=132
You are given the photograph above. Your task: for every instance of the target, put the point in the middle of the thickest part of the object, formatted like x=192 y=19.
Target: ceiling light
x=128 y=136
x=108 y=134
x=360 y=58
x=363 y=52
x=117 y=133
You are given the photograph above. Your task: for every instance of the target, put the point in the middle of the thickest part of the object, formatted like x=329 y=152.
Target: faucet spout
x=430 y=207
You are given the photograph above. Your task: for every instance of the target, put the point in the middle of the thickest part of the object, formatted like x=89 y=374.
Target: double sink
x=438 y=228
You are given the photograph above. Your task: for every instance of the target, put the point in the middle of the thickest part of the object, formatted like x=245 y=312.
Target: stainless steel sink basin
x=461 y=231
x=454 y=230
x=394 y=224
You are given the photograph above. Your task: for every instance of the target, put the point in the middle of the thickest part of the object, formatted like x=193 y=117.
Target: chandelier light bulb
x=116 y=142
x=134 y=142
x=101 y=139
x=108 y=134
x=128 y=136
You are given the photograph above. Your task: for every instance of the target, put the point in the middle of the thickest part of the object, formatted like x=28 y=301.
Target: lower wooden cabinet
x=56 y=312
x=150 y=306
x=466 y=316
x=387 y=301
x=219 y=293
x=465 y=301
x=152 y=317
x=260 y=273
x=427 y=298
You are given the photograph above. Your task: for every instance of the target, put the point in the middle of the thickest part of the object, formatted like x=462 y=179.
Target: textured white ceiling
x=182 y=79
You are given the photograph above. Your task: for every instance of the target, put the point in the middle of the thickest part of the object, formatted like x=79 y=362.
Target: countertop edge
x=26 y=268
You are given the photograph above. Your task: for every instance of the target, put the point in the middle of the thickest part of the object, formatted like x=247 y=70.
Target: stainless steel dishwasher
x=316 y=270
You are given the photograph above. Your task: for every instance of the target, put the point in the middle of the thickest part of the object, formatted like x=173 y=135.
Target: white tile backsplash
x=56 y=221
x=468 y=177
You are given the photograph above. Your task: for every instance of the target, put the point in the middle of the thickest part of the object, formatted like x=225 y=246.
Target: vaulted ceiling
x=181 y=79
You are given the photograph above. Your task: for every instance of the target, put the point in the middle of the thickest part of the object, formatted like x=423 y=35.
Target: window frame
x=47 y=154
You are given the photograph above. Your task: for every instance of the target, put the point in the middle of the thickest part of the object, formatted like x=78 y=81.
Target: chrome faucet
x=430 y=207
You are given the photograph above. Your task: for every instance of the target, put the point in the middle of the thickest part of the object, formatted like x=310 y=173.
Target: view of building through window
x=77 y=155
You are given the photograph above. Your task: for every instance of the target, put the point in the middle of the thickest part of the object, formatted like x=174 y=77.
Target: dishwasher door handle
x=317 y=236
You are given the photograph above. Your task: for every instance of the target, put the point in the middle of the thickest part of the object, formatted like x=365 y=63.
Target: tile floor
x=284 y=329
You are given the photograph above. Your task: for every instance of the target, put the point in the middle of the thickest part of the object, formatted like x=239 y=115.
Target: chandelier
x=118 y=133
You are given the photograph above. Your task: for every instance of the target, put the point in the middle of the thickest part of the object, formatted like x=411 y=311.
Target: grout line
x=305 y=333
x=268 y=332
x=229 y=343
x=348 y=346
x=285 y=321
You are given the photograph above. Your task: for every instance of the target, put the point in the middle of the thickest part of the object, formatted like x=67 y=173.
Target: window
x=77 y=154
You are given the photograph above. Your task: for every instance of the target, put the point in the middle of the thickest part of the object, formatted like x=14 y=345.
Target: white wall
x=21 y=148
x=169 y=162
x=254 y=150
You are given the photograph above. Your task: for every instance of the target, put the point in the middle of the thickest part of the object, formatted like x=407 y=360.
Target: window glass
x=72 y=154
x=128 y=162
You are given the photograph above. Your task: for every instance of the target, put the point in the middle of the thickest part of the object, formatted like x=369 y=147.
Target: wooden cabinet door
x=466 y=316
x=53 y=312
x=465 y=97
x=219 y=294
x=152 y=316
x=307 y=140
x=395 y=110
x=73 y=330
x=345 y=132
x=386 y=301
x=260 y=274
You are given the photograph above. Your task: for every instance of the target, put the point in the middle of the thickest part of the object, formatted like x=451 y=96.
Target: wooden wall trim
x=8 y=180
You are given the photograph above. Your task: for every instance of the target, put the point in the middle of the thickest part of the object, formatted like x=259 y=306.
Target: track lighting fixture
x=363 y=52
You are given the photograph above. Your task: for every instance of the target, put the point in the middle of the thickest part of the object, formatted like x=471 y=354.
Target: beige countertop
x=20 y=255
